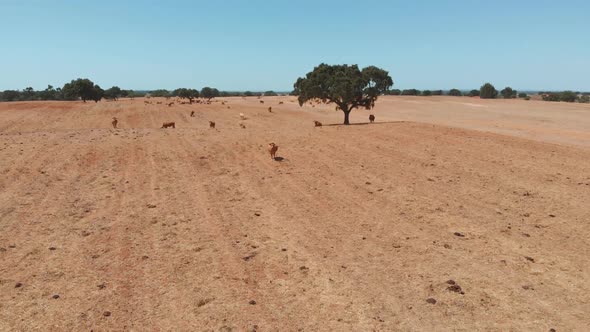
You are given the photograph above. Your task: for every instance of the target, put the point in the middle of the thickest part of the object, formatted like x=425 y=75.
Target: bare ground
x=357 y=228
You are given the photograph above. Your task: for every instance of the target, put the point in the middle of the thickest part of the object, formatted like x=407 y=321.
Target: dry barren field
x=448 y=214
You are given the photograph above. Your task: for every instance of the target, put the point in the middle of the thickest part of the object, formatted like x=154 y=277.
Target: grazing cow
x=262 y=101
x=192 y=114
x=170 y=104
x=280 y=103
x=242 y=116
x=168 y=125
x=243 y=126
x=317 y=123
x=371 y=118
x=269 y=109
x=115 y=121
x=272 y=149
x=211 y=124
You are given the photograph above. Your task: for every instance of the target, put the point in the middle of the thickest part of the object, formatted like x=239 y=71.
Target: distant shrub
x=160 y=93
x=522 y=95
x=488 y=91
x=527 y=98
x=437 y=93
x=10 y=95
x=508 y=93
x=394 y=92
x=427 y=93
x=455 y=92
x=585 y=99
x=550 y=96
x=568 y=96
x=411 y=92
x=270 y=93
x=473 y=93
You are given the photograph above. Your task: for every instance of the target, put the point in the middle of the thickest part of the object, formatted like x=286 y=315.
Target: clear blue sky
x=263 y=45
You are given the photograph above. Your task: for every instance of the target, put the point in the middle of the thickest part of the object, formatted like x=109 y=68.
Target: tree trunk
x=346 y=114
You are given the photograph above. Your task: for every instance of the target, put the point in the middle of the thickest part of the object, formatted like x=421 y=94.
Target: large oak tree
x=344 y=85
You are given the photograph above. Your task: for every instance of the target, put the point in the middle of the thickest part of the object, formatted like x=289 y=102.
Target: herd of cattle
x=272 y=147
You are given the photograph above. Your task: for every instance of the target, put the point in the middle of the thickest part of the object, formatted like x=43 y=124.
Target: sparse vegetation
x=427 y=93
x=346 y=86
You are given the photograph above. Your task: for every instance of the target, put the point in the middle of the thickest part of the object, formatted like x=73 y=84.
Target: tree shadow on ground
x=279 y=158
x=362 y=123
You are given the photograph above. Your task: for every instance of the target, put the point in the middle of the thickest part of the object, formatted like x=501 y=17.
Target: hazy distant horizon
x=261 y=45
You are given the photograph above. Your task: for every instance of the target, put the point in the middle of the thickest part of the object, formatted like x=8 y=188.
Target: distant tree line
x=488 y=91
x=79 y=89
x=86 y=90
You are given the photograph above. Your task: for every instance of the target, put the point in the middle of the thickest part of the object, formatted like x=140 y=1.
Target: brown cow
x=211 y=124
x=115 y=121
x=317 y=123
x=371 y=118
x=192 y=114
x=270 y=109
x=168 y=125
x=272 y=149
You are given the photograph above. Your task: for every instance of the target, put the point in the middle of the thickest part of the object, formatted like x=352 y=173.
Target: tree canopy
x=488 y=91
x=189 y=94
x=113 y=93
x=344 y=85
x=508 y=93
x=455 y=92
x=82 y=88
x=209 y=93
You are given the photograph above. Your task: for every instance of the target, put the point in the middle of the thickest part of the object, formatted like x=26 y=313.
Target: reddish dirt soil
x=447 y=214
